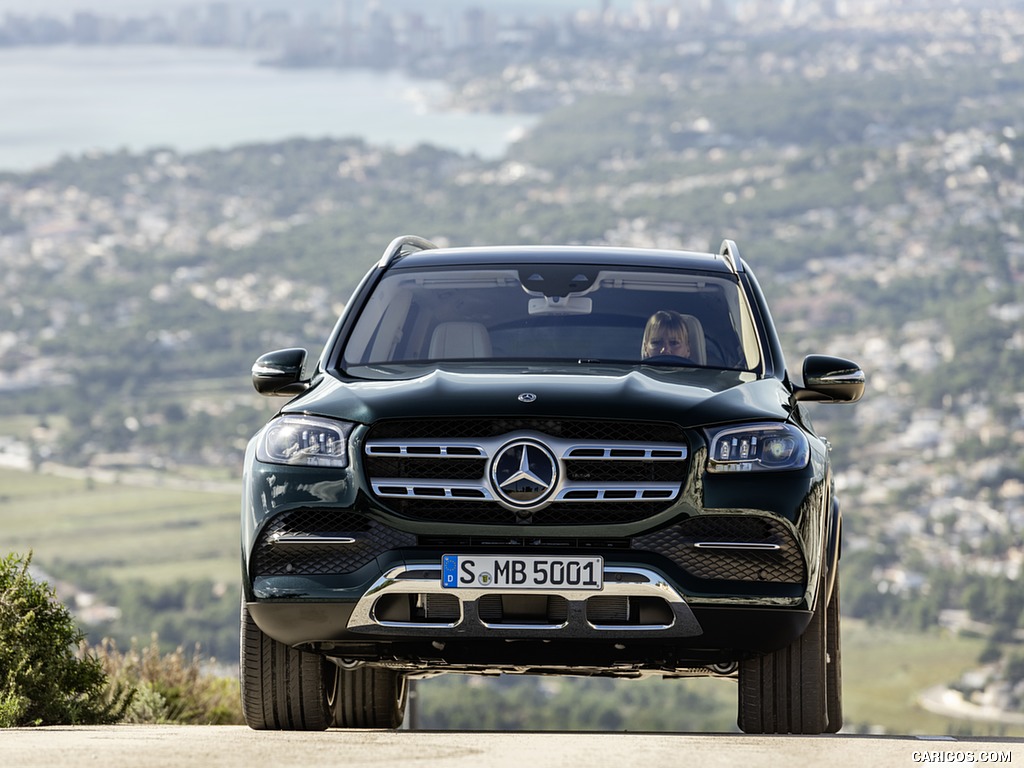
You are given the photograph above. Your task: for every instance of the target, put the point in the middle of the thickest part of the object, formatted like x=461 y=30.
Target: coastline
x=73 y=100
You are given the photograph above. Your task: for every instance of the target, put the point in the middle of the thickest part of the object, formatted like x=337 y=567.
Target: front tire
x=834 y=660
x=370 y=697
x=787 y=691
x=282 y=688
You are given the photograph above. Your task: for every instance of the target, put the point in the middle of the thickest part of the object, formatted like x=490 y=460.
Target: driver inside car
x=666 y=334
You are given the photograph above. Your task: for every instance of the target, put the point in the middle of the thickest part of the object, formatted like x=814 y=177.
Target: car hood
x=689 y=397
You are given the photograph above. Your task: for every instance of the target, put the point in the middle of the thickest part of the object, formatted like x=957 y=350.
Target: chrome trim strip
x=309 y=538
x=425 y=449
x=672 y=452
x=410 y=486
x=853 y=377
x=521 y=627
x=742 y=545
x=664 y=491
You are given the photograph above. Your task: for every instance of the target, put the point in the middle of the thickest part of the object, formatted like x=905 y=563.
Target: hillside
x=872 y=176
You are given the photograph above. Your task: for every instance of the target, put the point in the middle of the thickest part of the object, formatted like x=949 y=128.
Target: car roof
x=565 y=254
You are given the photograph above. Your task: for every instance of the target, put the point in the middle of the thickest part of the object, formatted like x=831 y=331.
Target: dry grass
x=176 y=687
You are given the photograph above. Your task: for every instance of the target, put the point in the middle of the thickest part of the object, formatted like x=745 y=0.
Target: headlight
x=757 y=448
x=305 y=441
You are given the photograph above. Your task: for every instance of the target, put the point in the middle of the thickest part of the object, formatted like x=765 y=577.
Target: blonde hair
x=666 y=320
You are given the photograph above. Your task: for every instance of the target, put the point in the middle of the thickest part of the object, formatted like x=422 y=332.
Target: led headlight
x=757 y=448
x=306 y=441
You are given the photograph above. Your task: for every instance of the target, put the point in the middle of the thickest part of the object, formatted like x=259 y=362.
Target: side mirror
x=830 y=380
x=280 y=373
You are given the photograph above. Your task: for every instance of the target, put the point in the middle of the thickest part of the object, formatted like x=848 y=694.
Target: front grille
x=730 y=547
x=317 y=542
x=609 y=472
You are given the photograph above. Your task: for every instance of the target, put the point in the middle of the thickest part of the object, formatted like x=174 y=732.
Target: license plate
x=529 y=572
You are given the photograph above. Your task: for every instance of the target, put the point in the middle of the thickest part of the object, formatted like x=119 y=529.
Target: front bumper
x=718 y=576
x=637 y=622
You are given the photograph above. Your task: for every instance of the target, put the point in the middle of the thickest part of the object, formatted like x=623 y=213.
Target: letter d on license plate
x=525 y=572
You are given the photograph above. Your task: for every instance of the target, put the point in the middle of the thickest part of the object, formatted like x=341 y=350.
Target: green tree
x=44 y=679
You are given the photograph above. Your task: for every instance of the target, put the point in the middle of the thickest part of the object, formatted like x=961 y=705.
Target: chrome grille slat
x=626 y=452
x=617 y=491
x=405 y=488
x=408 y=488
x=425 y=449
x=596 y=451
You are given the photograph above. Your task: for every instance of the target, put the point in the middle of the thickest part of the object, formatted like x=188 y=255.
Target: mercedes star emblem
x=524 y=473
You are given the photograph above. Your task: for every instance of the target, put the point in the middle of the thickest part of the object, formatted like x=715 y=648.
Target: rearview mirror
x=280 y=373
x=561 y=305
x=830 y=380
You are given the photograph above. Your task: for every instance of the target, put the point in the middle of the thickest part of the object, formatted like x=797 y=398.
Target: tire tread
x=785 y=691
x=370 y=697
x=281 y=688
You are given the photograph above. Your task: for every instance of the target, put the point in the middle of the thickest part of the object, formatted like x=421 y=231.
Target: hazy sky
x=143 y=7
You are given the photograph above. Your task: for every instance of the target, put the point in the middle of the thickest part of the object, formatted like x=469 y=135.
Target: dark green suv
x=553 y=460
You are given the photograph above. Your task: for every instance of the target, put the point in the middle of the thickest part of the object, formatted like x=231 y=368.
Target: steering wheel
x=668 y=360
x=715 y=352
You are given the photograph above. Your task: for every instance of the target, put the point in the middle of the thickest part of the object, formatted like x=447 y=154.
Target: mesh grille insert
x=282 y=547
x=764 y=549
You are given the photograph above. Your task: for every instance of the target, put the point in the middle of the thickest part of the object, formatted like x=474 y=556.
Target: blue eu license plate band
x=521 y=572
x=449 y=571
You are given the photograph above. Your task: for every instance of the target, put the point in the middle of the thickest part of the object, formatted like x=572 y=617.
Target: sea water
x=70 y=100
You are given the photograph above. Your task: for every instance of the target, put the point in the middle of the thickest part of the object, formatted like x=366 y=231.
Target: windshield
x=555 y=312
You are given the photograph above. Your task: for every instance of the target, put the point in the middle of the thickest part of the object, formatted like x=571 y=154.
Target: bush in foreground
x=46 y=675
x=172 y=687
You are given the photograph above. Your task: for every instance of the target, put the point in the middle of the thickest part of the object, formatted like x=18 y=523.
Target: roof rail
x=731 y=253
x=400 y=247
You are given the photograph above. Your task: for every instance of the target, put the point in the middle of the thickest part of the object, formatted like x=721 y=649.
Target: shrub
x=172 y=687
x=46 y=675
